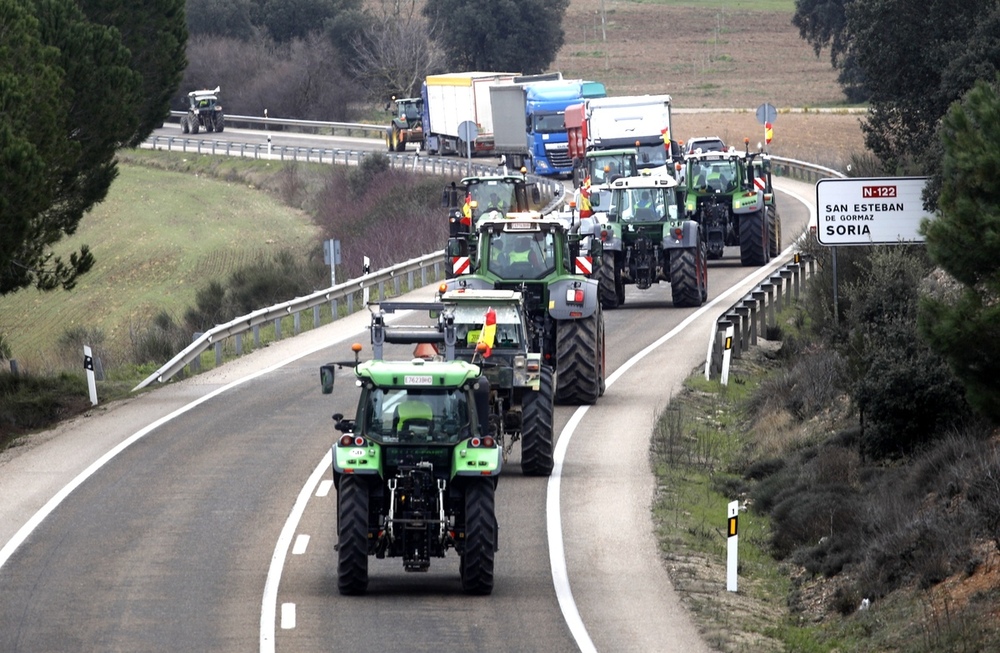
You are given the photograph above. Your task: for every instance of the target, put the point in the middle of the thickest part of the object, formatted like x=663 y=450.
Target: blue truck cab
x=545 y=106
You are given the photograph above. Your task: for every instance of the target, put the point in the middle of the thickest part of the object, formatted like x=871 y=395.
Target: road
x=192 y=532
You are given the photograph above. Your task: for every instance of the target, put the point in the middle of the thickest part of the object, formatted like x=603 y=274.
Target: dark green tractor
x=406 y=125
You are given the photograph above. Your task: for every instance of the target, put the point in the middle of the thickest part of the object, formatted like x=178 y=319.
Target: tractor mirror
x=326 y=378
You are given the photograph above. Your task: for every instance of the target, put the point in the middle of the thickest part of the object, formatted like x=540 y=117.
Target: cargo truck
x=528 y=121
x=453 y=98
x=641 y=123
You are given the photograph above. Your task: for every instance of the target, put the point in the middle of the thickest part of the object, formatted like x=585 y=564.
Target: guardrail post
x=744 y=334
x=195 y=364
x=218 y=353
x=778 y=291
x=239 y=344
x=334 y=310
x=796 y=270
x=768 y=289
x=396 y=286
x=751 y=305
x=786 y=278
x=760 y=298
x=316 y=316
x=277 y=329
x=734 y=318
x=296 y=323
x=256 y=336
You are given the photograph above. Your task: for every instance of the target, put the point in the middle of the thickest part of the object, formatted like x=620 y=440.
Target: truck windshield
x=548 y=123
x=412 y=415
x=521 y=256
x=605 y=168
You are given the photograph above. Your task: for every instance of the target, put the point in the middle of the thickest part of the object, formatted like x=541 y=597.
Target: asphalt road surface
x=199 y=517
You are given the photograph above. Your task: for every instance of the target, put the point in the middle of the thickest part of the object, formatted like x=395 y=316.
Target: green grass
x=157 y=239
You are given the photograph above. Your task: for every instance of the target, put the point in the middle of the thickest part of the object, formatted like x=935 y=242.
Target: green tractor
x=474 y=198
x=415 y=470
x=407 y=124
x=731 y=196
x=540 y=257
x=488 y=328
x=647 y=240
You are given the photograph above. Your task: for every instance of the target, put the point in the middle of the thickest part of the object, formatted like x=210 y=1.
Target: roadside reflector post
x=365 y=271
x=727 y=354
x=88 y=365
x=732 y=539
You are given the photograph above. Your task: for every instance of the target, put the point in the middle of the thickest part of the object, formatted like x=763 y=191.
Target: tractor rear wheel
x=195 y=125
x=578 y=364
x=480 y=537
x=220 y=122
x=536 y=427
x=184 y=125
x=688 y=277
x=352 y=535
x=397 y=137
x=773 y=230
x=608 y=280
x=754 y=240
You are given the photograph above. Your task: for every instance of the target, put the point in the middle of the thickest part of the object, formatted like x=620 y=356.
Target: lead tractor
x=203 y=112
x=415 y=470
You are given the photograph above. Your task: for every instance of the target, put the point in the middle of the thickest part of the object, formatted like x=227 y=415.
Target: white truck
x=642 y=122
x=453 y=98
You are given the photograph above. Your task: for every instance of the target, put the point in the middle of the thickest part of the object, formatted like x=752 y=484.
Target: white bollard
x=365 y=271
x=732 y=539
x=88 y=364
x=727 y=354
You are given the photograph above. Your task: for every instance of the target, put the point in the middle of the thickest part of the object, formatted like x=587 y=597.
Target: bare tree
x=396 y=52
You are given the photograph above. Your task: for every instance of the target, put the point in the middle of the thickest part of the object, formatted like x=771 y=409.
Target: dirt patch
x=711 y=58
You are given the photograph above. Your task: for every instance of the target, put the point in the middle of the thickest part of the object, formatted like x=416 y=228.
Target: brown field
x=710 y=58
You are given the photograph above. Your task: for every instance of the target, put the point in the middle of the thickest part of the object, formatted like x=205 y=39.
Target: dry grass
x=716 y=54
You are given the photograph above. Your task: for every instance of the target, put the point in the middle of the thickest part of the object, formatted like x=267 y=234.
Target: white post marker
x=88 y=364
x=727 y=354
x=731 y=544
x=366 y=270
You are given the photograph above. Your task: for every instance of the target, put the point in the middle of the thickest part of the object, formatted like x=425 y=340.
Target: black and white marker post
x=88 y=364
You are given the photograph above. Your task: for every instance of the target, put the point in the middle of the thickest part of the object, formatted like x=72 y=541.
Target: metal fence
x=755 y=313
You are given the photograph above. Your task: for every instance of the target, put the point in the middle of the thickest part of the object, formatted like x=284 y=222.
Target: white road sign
x=870 y=210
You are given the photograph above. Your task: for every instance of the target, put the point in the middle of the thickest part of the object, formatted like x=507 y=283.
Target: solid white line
x=301 y=544
x=287 y=616
x=553 y=515
x=324 y=488
x=270 y=600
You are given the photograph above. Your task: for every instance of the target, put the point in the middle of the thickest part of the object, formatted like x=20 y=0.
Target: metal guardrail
x=802 y=170
x=215 y=337
x=304 y=126
x=752 y=315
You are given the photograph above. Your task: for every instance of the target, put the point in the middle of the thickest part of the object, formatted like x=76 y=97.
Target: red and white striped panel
x=760 y=183
x=460 y=265
x=584 y=265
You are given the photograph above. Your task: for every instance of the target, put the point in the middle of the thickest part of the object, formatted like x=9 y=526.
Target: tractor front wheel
x=536 y=427
x=480 y=537
x=578 y=364
x=352 y=535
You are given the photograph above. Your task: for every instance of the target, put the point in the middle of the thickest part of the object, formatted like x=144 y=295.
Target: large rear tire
x=195 y=125
x=578 y=364
x=773 y=230
x=607 y=281
x=754 y=241
x=184 y=125
x=480 y=537
x=687 y=276
x=220 y=123
x=397 y=139
x=352 y=535
x=536 y=427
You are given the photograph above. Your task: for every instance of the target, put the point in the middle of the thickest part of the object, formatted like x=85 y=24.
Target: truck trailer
x=642 y=122
x=528 y=120
x=453 y=98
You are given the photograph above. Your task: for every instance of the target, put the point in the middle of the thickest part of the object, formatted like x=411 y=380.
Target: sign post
x=468 y=132
x=766 y=115
x=331 y=256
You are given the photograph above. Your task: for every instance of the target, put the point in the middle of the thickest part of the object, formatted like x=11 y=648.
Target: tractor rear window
x=521 y=256
x=413 y=415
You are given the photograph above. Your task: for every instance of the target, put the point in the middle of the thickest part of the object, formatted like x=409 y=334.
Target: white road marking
x=553 y=515
x=301 y=544
x=324 y=488
x=287 y=616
